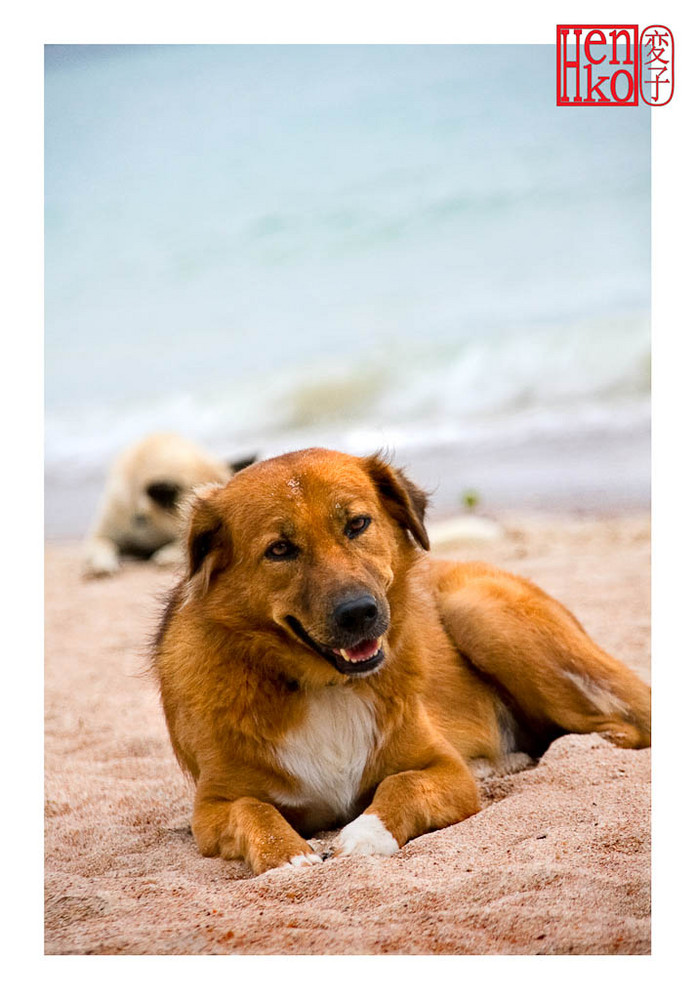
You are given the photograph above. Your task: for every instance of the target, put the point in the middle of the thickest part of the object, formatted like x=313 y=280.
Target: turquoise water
x=356 y=245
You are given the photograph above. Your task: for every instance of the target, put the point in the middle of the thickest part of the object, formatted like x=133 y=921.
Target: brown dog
x=317 y=668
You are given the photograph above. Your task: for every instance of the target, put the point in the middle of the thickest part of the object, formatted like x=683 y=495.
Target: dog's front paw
x=365 y=835
x=101 y=558
x=283 y=857
x=168 y=555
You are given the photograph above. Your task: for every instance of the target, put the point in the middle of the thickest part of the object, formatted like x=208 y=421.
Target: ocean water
x=265 y=247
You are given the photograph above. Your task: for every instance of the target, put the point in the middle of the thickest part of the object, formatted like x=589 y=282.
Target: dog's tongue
x=364 y=650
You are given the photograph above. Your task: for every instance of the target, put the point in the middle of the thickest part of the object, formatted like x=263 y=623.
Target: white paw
x=518 y=762
x=302 y=859
x=168 y=555
x=366 y=835
x=101 y=559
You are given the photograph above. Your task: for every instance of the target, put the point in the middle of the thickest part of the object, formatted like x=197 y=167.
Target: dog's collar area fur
x=360 y=668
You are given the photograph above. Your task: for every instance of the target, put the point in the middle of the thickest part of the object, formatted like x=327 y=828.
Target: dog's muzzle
x=358 y=627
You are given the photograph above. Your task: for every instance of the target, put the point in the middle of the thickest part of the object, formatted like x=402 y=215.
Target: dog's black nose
x=356 y=615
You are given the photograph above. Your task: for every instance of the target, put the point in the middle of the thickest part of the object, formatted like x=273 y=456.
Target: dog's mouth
x=362 y=658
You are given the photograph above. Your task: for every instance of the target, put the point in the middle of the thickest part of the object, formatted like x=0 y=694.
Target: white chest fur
x=326 y=754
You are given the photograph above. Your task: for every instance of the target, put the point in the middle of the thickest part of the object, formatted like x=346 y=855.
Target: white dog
x=140 y=512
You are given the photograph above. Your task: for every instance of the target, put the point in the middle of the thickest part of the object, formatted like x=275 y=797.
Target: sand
x=558 y=861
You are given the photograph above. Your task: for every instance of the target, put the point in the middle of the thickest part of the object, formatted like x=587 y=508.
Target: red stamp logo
x=657 y=46
x=608 y=65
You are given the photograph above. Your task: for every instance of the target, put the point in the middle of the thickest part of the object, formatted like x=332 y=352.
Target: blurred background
x=411 y=247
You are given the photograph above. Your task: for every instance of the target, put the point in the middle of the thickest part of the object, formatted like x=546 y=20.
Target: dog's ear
x=208 y=544
x=405 y=501
x=237 y=464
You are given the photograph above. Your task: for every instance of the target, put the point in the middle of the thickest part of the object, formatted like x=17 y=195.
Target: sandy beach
x=557 y=862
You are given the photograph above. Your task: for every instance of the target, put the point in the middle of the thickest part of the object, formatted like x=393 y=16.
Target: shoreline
x=583 y=473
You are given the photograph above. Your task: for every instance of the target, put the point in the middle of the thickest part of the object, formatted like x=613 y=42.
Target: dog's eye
x=281 y=550
x=356 y=526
